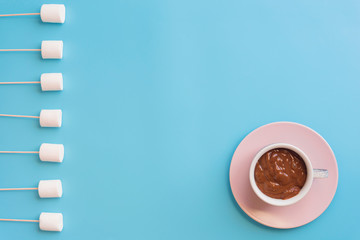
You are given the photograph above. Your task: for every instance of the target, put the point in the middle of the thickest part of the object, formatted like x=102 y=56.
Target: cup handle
x=320 y=173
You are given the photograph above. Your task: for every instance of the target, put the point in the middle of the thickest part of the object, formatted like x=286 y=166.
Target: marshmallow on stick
x=50 y=13
x=47 y=221
x=48 y=152
x=46 y=189
x=48 y=117
x=48 y=81
x=51 y=49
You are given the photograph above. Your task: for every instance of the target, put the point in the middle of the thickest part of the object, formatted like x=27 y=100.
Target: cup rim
x=280 y=202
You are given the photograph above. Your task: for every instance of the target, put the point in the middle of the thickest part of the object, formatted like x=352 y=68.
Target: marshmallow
x=50 y=189
x=51 y=222
x=51 y=118
x=51 y=82
x=51 y=152
x=53 y=13
x=52 y=49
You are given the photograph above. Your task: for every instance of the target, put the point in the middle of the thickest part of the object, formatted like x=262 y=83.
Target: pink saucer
x=322 y=190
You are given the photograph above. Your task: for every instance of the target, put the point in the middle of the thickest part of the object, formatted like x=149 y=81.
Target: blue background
x=157 y=96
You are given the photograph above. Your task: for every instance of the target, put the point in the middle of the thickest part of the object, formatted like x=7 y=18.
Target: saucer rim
x=281 y=123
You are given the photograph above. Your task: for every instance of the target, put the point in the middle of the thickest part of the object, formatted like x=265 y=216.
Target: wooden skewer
x=20 y=50
x=19 y=82
x=18 y=14
x=19 y=116
x=18 y=220
x=19 y=151
x=17 y=189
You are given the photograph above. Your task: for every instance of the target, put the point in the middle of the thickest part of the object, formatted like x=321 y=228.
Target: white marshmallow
x=51 y=152
x=50 y=189
x=51 y=82
x=53 y=13
x=51 y=118
x=52 y=49
x=51 y=222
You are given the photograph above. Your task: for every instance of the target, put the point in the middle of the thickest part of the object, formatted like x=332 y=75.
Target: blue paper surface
x=157 y=96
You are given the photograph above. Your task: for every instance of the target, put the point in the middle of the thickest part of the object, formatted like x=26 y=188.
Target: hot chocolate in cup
x=281 y=174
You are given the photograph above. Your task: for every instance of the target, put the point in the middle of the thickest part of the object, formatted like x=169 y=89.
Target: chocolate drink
x=280 y=173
